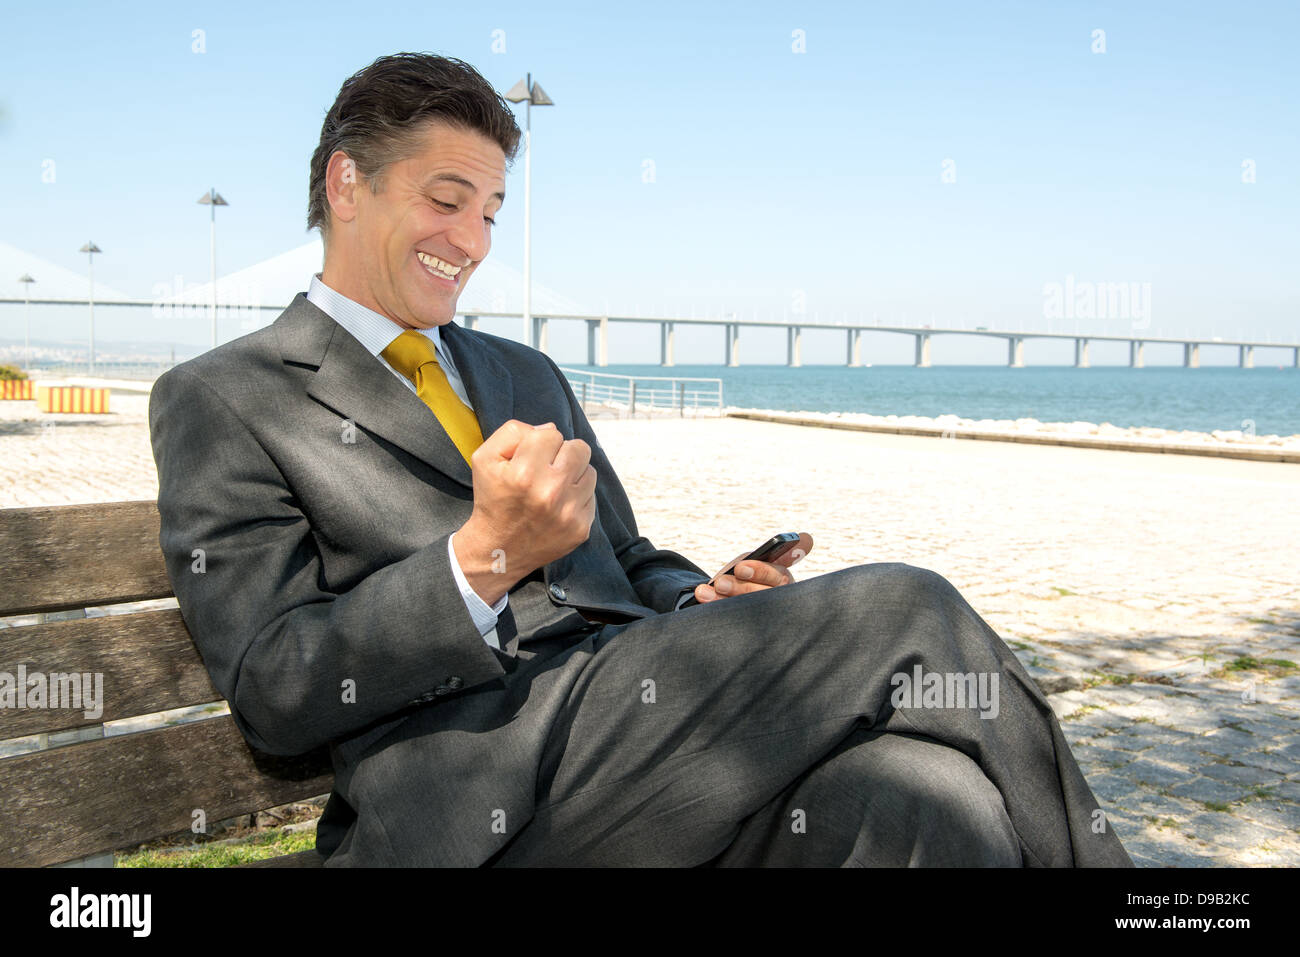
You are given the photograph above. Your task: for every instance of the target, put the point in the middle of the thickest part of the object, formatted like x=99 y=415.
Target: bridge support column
x=793 y=346
x=1081 y=353
x=1295 y=357
x=539 y=333
x=598 y=342
x=922 y=350
x=1191 y=355
x=1015 y=352
x=733 y=344
x=853 y=348
x=1135 y=354
x=665 y=343
x=470 y=322
x=1246 y=357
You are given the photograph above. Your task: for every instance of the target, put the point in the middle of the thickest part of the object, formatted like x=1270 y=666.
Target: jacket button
x=557 y=592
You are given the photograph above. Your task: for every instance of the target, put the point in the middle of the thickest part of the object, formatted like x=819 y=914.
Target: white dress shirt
x=376 y=333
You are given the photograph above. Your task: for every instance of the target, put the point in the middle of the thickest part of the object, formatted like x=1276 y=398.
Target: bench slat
x=76 y=556
x=67 y=803
x=148 y=661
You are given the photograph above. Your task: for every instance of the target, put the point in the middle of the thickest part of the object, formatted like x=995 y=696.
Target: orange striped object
x=71 y=398
x=16 y=389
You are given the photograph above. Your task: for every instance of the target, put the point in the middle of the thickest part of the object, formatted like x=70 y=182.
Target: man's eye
x=452 y=208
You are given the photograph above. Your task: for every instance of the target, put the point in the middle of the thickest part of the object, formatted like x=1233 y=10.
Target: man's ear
x=341 y=186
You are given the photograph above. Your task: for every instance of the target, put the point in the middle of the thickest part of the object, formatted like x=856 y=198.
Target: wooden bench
x=72 y=801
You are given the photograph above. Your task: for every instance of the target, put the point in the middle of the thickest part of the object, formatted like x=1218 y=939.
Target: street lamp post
x=90 y=249
x=214 y=199
x=27 y=281
x=526 y=91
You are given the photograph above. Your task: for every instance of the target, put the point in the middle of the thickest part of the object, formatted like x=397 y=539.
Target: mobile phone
x=769 y=551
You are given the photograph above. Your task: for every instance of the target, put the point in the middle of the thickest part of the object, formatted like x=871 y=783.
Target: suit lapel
x=355 y=384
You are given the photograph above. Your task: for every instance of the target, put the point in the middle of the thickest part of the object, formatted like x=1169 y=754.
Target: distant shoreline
x=1236 y=445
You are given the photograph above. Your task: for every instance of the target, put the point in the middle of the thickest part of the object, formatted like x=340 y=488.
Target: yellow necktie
x=412 y=354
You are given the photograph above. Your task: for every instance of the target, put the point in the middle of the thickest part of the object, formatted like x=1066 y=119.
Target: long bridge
x=598 y=339
x=598 y=334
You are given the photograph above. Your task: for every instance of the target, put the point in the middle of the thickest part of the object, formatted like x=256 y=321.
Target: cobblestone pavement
x=1160 y=591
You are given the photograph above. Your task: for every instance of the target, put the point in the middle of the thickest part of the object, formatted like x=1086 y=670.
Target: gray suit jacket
x=306 y=500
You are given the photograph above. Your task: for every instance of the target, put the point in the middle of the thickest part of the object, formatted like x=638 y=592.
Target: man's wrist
x=487 y=570
x=484 y=615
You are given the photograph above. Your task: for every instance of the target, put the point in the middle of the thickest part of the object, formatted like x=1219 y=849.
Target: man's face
x=433 y=214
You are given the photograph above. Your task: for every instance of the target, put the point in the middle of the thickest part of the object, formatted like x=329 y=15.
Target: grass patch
x=1276 y=667
x=1259 y=792
x=1080 y=712
x=1098 y=678
x=1261 y=621
x=272 y=843
x=1217 y=806
x=1062 y=592
x=1160 y=822
x=1107 y=678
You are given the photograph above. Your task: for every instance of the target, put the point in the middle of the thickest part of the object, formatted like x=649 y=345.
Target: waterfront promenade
x=1159 y=591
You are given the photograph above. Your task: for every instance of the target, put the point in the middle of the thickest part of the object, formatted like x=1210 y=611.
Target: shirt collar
x=374 y=331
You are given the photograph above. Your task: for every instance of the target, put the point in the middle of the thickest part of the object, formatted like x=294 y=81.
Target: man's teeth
x=437 y=266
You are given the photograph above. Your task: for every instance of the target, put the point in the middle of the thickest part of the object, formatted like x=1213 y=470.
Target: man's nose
x=470 y=235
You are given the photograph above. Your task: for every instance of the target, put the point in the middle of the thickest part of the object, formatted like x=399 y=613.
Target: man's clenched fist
x=534 y=502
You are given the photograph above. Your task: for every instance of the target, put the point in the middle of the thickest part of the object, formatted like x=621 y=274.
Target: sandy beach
x=1155 y=596
x=1221 y=444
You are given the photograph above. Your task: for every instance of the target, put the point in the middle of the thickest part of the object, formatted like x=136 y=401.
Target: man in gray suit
x=414 y=549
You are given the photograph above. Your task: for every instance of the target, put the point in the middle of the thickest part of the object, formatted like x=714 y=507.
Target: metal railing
x=626 y=394
x=608 y=392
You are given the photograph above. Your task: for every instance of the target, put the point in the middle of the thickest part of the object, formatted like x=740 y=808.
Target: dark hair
x=380 y=112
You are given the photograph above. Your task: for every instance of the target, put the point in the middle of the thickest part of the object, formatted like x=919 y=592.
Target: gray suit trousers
x=785 y=727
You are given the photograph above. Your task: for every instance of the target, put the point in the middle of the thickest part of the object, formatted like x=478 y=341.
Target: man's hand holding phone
x=767 y=566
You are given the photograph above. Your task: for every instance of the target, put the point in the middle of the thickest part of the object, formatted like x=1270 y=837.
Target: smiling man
x=416 y=552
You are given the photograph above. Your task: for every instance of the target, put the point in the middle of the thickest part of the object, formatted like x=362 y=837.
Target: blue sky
x=779 y=176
